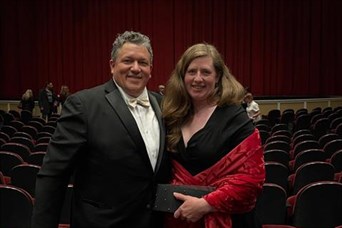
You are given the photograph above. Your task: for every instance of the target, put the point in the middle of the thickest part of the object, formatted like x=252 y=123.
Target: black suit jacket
x=43 y=101
x=98 y=140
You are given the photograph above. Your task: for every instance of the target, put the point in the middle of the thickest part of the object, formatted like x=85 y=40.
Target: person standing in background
x=27 y=101
x=63 y=94
x=111 y=138
x=252 y=108
x=47 y=101
x=212 y=143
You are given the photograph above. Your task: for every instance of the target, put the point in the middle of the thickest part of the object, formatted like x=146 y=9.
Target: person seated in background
x=252 y=108
x=27 y=101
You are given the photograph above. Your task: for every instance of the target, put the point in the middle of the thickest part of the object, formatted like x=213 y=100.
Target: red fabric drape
x=237 y=177
x=276 y=48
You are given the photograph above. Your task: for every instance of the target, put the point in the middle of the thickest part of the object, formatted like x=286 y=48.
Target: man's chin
x=134 y=90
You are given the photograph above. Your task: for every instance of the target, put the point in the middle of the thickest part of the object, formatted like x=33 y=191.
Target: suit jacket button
x=148 y=206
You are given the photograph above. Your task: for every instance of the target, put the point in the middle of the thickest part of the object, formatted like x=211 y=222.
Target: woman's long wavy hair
x=177 y=107
x=27 y=95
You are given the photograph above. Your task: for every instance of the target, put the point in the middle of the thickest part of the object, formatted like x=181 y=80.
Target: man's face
x=132 y=68
x=50 y=86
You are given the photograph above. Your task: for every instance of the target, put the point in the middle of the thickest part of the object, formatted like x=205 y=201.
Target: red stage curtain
x=277 y=48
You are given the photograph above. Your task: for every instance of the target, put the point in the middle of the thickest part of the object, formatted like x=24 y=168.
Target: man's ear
x=111 y=65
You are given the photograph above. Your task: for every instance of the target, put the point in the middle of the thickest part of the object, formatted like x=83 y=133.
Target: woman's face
x=200 y=78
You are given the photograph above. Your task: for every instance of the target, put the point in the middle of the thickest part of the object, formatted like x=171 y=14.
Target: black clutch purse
x=165 y=200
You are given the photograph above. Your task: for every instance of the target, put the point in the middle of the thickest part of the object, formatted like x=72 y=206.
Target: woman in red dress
x=212 y=142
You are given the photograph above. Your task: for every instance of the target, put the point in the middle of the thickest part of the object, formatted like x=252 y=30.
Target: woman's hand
x=192 y=209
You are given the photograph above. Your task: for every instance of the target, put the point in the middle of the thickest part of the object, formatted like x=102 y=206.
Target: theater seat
x=24 y=176
x=318 y=205
x=304 y=145
x=280 y=156
x=277 y=173
x=15 y=207
x=271 y=204
x=7 y=161
x=36 y=158
x=331 y=147
x=17 y=148
x=306 y=156
x=280 y=145
x=311 y=172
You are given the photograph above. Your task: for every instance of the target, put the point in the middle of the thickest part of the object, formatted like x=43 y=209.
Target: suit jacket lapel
x=120 y=107
x=157 y=111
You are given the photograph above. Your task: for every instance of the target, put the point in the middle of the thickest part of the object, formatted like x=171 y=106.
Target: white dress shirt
x=147 y=123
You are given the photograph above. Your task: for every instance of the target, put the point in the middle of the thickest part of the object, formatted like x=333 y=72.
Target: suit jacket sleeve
x=53 y=178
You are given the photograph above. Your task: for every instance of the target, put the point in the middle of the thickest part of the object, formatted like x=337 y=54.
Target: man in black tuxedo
x=111 y=139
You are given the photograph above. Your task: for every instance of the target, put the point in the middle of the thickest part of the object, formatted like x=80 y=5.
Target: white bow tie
x=144 y=102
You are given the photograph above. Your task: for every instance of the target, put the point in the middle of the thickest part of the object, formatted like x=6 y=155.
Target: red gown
x=238 y=178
